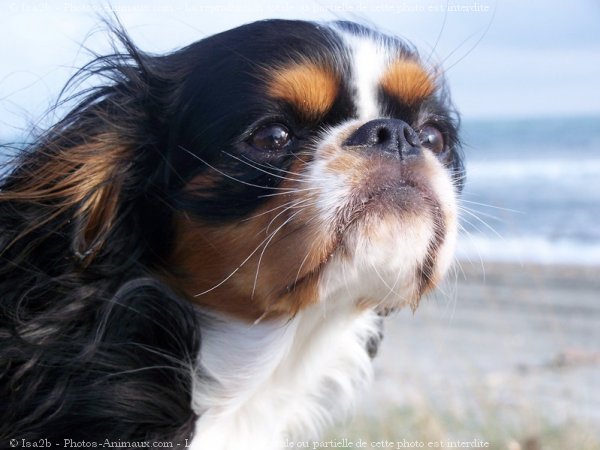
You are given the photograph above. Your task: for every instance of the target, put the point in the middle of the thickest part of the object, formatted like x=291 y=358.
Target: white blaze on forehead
x=369 y=60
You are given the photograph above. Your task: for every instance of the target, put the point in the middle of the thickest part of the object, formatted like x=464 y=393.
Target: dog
x=202 y=250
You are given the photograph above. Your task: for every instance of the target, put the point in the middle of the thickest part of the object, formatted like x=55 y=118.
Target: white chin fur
x=379 y=266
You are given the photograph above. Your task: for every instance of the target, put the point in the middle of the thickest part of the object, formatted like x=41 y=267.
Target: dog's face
x=312 y=163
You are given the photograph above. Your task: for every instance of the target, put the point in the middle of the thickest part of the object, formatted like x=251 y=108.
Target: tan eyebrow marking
x=308 y=87
x=408 y=81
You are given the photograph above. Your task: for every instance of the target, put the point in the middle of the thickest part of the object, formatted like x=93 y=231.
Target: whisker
x=288 y=220
x=469 y=235
x=302 y=265
x=487 y=205
x=312 y=219
x=474 y=46
x=268 y=166
x=475 y=225
x=263 y=170
x=233 y=178
x=480 y=213
x=224 y=280
x=439 y=36
x=292 y=203
x=278 y=214
x=291 y=191
x=483 y=222
x=391 y=289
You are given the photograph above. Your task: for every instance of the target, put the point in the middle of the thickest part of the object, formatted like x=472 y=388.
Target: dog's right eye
x=272 y=137
x=432 y=138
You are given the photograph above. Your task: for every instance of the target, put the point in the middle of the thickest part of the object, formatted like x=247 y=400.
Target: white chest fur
x=278 y=380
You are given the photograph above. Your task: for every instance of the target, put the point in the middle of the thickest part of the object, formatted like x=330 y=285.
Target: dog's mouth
x=370 y=206
x=397 y=197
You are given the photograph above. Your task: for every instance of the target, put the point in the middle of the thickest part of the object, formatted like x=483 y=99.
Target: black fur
x=115 y=368
x=92 y=345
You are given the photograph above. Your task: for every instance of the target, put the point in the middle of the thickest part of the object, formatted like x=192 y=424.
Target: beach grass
x=415 y=428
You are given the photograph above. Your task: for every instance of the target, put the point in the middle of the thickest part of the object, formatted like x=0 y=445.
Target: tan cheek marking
x=408 y=81
x=204 y=256
x=311 y=89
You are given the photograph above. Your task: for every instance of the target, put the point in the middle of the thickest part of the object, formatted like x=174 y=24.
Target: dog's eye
x=432 y=138
x=271 y=137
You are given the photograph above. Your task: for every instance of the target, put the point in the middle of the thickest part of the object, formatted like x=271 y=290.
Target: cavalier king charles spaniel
x=202 y=250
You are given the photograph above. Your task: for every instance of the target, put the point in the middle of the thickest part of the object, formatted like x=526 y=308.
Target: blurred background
x=508 y=350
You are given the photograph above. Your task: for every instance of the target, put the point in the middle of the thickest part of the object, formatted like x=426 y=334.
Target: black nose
x=391 y=136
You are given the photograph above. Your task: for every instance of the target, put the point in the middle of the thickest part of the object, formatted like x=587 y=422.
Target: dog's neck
x=280 y=379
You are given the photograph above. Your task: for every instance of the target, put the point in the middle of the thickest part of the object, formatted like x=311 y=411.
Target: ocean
x=532 y=192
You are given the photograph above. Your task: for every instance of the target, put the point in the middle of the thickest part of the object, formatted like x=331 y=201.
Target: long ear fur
x=92 y=345
x=83 y=168
x=82 y=184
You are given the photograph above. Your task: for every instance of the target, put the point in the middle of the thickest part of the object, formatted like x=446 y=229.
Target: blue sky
x=505 y=58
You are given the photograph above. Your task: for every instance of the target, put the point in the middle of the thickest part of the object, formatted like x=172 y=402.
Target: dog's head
x=262 y=170
x=314 y=162
x=254 y=173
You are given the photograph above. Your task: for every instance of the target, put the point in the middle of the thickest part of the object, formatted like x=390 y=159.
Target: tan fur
x=408 y=81
x=308 y=87
x=287 y=278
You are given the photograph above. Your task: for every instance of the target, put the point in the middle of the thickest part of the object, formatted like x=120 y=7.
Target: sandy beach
x=503 y=352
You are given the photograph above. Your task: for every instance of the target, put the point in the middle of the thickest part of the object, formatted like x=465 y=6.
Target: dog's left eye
x=432 y=138
x=271 y=137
